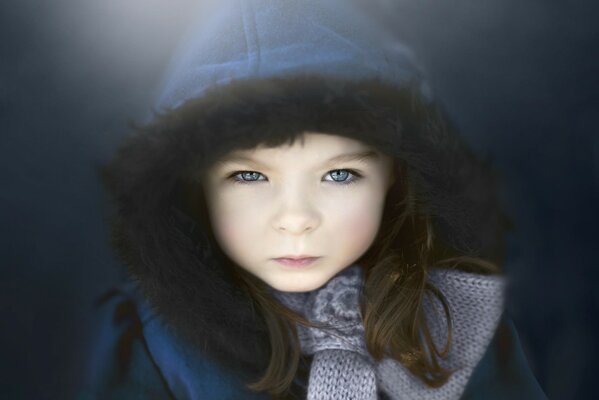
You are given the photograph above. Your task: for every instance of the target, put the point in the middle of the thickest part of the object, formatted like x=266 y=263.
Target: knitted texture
x=343 y=369
x=335 y=304
x=341 y=374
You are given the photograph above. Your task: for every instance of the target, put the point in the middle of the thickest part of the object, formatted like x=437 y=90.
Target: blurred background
x=520 y=78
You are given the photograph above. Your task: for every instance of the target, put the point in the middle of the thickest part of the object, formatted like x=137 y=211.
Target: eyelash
x=356 y=177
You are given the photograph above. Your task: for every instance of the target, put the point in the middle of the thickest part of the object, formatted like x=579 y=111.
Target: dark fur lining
x=179 y=269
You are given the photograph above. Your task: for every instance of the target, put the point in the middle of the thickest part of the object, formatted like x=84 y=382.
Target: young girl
x=300 y=221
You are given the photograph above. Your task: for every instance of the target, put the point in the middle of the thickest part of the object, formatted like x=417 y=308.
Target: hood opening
x=168 y=246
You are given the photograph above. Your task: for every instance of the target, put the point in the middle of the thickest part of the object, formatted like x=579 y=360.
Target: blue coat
x=136 y=357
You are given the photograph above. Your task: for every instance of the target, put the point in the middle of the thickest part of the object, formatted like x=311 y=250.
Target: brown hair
x=395 y=287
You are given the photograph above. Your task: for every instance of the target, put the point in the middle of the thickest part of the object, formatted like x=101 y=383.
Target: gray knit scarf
x=343 y=369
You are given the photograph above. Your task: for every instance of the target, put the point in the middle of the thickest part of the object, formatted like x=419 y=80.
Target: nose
x=296 y=216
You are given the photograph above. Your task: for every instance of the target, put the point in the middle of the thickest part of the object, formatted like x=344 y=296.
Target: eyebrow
x=359 y=156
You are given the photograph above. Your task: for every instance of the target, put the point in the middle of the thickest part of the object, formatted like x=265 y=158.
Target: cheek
x=359 y=221
x=235 y=226
x=361 y=229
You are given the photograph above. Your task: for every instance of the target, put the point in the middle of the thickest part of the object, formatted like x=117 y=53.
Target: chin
x=295 y=287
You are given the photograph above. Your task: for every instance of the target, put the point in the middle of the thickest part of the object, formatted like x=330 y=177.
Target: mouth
x=301 y=261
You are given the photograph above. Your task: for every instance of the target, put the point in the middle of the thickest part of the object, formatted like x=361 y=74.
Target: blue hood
x=240 y=39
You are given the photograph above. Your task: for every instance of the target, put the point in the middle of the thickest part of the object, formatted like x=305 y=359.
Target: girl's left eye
x=342 y=175
x=339 y=176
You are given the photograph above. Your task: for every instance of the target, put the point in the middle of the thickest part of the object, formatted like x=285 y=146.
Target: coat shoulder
x=135 y=356
x=503 y=372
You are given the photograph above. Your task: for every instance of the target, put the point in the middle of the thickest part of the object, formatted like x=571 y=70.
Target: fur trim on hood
x=172 y=255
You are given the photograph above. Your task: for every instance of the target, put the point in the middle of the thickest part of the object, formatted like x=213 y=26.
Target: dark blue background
x=520 y=78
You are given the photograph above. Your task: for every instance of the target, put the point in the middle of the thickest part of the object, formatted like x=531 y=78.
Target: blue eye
x=339 y=176
x=250 y=175
x=342 y=175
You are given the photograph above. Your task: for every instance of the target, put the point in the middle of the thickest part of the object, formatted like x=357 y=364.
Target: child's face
x=293 y=201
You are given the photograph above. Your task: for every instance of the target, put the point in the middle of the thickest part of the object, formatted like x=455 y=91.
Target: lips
x=296 y=257
x=301 y=261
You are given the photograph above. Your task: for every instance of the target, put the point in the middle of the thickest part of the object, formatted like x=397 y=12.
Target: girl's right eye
x=246 y=177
